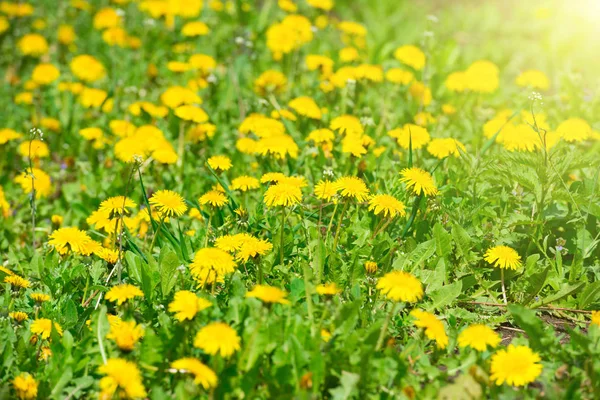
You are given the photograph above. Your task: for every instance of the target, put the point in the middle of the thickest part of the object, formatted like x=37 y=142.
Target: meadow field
x=299 y=199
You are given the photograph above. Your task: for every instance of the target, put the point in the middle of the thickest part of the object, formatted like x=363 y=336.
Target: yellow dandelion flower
x=245 y=183
x=122 y=377
x=371 y=267
x=17 y=282
x=168 y=203
x=203 y=375
x=534 y=79
x=386 y=204
x=212 y=260
x=305 y=106
x=121 y=293
x=214 y=198
x=328 y=289
x=595 y=320
x=283 y=194
x=326 y=190
x=37 y=179
x=186 y=305
x=347 y=125
x=419 y=181
x=479 y=337
x=66 y=240
x=517 y=366
x=220 y=163
x=325 y=335
x=434 y=328
x=25 y=386
x=574 y=130
x=18 y=316
x=410 y=135
x=44 y=326
x=39 y=297
x=400 y=286
x=87 y=68
x=117 y=205
x=441 y=148
x=125 y=334
x=410 y=55
x=268 y=294
x=352 y=187
x=503 y=257
x=218 y=337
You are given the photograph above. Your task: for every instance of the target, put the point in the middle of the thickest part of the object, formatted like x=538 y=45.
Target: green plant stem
x=162 y=220
x=384 y=327
x=413 y=214
x=309 y=304
x=282 y=236
x=207 y=230
x=503 y=286
x=331 y=222
x=339 y=225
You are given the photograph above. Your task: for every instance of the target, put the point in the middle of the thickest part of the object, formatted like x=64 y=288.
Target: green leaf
x=462 y=240
x=442 y=240
x=562 y=293
x=347 y=387
x=445 y=295
x=168 y=270
x=536 y=282
x=69 y=311
x=530 y=323
x=590 y=295
x=421 y=253
x=465 y=387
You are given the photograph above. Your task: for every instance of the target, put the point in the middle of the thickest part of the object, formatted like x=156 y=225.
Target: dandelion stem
x=331 y=222
x=207 y=230
x=282 y=234
x=339 y=225
x=162 y=220
x=503 y=286
x=384 y=327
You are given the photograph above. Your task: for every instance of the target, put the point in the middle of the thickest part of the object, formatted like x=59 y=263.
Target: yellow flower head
x=122 y=377
x=595 y=318
x=347 y=125
x=503 y=257
x=419 y=181
x=326 y=190
x=410 y=55
x=203 y=375
x=574 y=130
x=25 y=386
x=87 y=68
x=18 y=316
x=117 y=205
x=17 y=282
x=283 y=194
x=270 y=81
x=434 y=328
x=517 y=366
x=218 y=337
x=39 y=297
x=305 y=106
x=388 y=205
x=123 y=292
x=212 y=260
x=245 y=183
x=168 y=203
x=268 y=294
x=441 y=148
x=43 y=327
x=371 y=267
x=400 y=286
x=479 y=337
x=45 y=74
x=125 y=334
x=214 y=198
x=328 y=289
x=33 y=44
x=71 y=240
x=352 y=187
x=220 y=163
x=186 y=305
x=534 y=79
